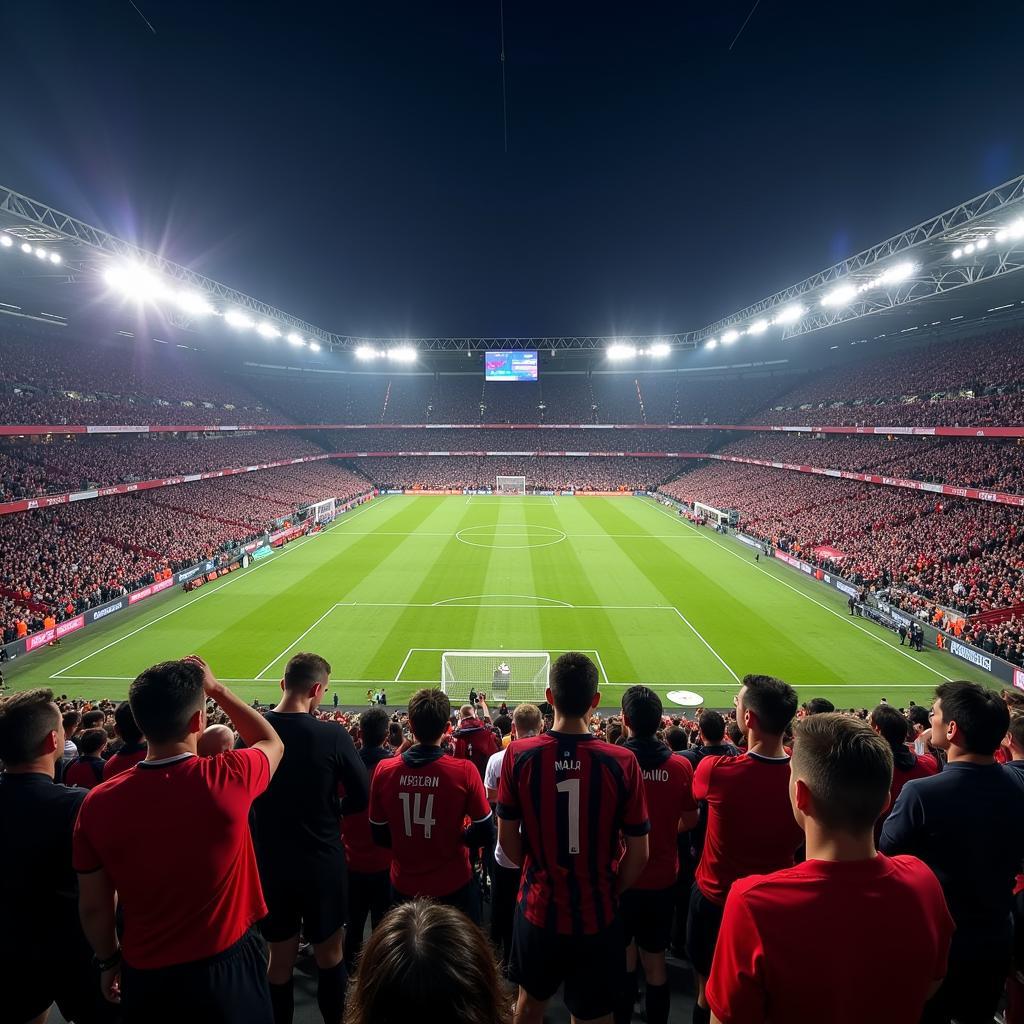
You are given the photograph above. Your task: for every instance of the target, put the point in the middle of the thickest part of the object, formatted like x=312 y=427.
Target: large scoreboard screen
x=510 y=365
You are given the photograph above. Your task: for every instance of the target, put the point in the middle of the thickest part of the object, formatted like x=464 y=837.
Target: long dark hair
x=427 y=958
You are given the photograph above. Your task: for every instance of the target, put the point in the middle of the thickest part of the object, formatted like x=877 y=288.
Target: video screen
x=510 y=365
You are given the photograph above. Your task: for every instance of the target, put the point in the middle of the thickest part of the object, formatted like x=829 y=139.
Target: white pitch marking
x=259 y=675
x=698 y=635
x=474 y=597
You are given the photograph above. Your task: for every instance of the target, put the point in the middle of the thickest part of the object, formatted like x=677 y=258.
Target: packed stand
x=603 y=842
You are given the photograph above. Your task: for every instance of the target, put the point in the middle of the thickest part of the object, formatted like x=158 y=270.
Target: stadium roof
x=945 y=259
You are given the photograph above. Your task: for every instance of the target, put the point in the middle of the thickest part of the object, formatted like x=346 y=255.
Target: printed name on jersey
x=419 y=780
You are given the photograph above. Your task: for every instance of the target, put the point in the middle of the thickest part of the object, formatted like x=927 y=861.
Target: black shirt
x=967 y=825
x=38 y=887
x=297 y=819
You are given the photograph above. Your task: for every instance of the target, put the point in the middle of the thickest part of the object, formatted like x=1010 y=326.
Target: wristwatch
x=111 y=961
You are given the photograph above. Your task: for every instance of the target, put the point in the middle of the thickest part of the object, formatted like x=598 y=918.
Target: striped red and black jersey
x=574 y=796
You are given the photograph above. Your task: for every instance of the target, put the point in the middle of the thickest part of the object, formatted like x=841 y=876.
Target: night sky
x=346 y=161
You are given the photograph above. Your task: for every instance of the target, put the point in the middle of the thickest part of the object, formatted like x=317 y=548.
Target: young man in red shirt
x=169 y=842
x=749 y=824
x=86 y=771
x=418 y=803
x=474 y=738
x=647 y=908
x=567 y=801
x=779 y=944
x=133 y=746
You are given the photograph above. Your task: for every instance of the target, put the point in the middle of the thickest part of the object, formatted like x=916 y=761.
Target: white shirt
x=492 y=780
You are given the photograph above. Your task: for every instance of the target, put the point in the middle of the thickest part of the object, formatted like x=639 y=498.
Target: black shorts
x=229 y=988
x=646 y=916
x=590 y=966
x=702 y=927
x=314 y=901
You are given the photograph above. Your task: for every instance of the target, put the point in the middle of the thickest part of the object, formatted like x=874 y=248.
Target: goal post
x=323 y=511
x=510 y=485
x=505 y=675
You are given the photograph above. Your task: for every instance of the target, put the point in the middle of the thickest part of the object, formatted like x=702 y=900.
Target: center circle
x=510 y=537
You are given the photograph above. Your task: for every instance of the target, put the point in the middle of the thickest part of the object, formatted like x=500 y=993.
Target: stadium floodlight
x=982 y=244
x=758 y=327
x=957 y=253
x=193 y=303
x=896 y=273
x=267 y=330
x=711 y=343
x=295 y=339
x=402 y=354
x=26 y=248
x=136 y=282
x=6 y=241
x=839 y=296
x=366 y=352
x=969 y=249
x=789 y=314
x=620 y=351
x=314 y=346
x=1002 y=234
x=1016 y=229
x=660 y=350
x=55 y=258
x=41 y=254
x=729 y=337
x=236 y=318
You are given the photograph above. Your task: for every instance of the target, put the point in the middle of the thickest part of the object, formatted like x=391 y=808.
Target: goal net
x=323 y=511
x=510 y=485
x=503 y=675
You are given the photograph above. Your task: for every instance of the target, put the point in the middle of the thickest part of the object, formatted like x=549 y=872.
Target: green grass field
x=390 y=586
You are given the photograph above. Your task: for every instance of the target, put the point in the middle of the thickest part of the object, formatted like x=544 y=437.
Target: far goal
x=510 y=485
x=503 y=675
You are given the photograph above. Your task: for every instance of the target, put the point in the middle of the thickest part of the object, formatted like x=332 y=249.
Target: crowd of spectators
x=59 y=561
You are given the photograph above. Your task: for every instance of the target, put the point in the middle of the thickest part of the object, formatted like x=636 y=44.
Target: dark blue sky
x=345 y=161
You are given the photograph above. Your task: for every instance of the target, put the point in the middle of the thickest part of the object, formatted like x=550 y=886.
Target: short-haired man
x=296 y=829
x=565 y=800
x=646 y=909
x=86 y=770
x=816 y=706
x=967 y=825
x=749 y=827
x=528 y=722
x=169 y=842
x=369 y=865
x=906 y=765
x=44 y=956
x=771 y=963
x=133 y=745
x=475 y=739
x=418 y=802
x=711 y=729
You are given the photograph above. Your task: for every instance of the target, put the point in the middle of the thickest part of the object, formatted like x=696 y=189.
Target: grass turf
x=390 y=586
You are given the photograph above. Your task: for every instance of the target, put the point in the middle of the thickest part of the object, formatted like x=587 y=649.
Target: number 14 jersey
x=573 y=795
x=424 y=797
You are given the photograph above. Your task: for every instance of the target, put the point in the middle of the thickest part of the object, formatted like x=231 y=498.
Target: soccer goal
x=503 y=675
x=510 y=485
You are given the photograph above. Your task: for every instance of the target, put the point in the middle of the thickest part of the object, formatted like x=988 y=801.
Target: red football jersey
x=668 y=785
x=750 y=824
x=424 y=797
x=125 y=758
x=85 y=772
x=574 y=795
x=784 y=936
x=174 y=838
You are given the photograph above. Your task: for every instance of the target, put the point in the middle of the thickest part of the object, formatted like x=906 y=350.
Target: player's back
x=574 y=795
x=750 y=824
x=423 y=797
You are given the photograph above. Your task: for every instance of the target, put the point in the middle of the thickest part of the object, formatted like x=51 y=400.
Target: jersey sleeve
x=248 y=770
x=84 y=857
x=702 y=778
x=508 y=793
x=635 y=821
x=903 y=826
x=735 y=990
x=477 y=805
x=352 y=775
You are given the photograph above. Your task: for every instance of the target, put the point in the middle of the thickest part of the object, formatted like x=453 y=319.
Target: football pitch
x=393 y=584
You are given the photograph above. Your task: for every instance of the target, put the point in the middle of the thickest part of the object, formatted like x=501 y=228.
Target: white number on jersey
x=572 y=787
x=426 y=818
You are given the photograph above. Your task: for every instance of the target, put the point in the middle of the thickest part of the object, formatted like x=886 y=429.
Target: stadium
x=269 y=590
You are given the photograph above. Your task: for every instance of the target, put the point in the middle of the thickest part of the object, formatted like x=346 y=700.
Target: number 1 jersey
x=424 y=797
x=573 y=795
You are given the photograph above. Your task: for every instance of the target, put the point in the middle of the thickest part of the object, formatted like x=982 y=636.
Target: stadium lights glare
x=620 y=351
x=896 y=273
x=839 y=296
x=26 y=248
x=55 y=258
x=968 y=248
x=366 y=352
x=957 y=253
x=729 y=337
x=6 y=241
x=404 y=354
x=135 y=282
x=267 y=330
x=982 y=244
x=711 y=343
x=236 y=318
x=193 y=303
x=314 y=346
x=41 y=254
x=789 y=314
x=295 y=339
x=1016 y=229
x=660 y=350
x=758 y=327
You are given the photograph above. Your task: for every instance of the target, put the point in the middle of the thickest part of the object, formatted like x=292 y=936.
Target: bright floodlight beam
x=402 y=354
x=711 y=343
x=295 y=339
x=366 y=352
x=26 y=248
x=896 y=273
x=193 y=303
x=789 y=314
x=839 y=296
x=314 y=347
x=620 y=351
x=135 y=282
x=239 y=320
x=55 y=258
x=758 y=327
x=267 y=330
x=660 y=350
x=730 y=336
x=6 y=241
